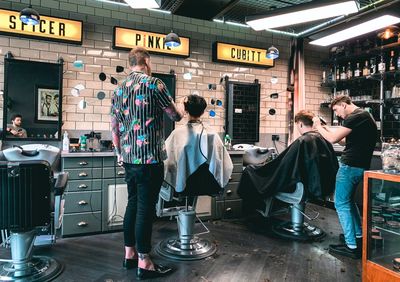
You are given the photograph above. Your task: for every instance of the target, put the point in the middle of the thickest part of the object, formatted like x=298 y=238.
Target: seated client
x=310 y=159
x=192 y=148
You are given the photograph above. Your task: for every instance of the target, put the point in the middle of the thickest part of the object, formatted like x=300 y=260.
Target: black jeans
x=144 y=184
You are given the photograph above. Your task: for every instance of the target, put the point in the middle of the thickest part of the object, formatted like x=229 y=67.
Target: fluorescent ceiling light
x=307 y=15
x=160 y=11
x=236 y=24
x=218 y=21
x=357 y=30
x=143 y=4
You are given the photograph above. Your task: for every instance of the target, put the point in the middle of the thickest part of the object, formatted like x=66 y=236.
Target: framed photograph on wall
x=47 y=104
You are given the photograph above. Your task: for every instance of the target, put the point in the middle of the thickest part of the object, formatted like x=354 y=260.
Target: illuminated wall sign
x=49 y=28
x=237 y=54
x=126 y=39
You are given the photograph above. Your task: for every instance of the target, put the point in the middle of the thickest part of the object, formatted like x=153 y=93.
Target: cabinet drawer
x=81 y=162
x=230 y=192
x=81 y=223
x=237 y=159
x=109 y=172
x=235 y=177
x=83 y=185
x=82 y=202
x=83 y=173
x=238 y=167
x=229 y=209
x=109 y=161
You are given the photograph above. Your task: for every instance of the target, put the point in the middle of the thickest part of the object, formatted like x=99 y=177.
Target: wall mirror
x=34 y=91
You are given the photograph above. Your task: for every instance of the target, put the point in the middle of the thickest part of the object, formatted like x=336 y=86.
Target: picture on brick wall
x=47 y=104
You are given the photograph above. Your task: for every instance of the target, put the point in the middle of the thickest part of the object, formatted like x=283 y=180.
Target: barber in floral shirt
x=137 y=111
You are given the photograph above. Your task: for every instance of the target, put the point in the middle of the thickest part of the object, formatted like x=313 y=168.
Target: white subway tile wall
x=97 y=55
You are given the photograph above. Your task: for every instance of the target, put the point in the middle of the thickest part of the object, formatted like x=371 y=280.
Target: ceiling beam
x=229 y=6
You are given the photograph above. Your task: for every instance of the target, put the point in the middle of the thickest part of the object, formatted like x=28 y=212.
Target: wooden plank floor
x=245 y=253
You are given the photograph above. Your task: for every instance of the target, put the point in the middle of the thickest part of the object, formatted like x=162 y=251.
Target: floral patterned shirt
x=137 y=118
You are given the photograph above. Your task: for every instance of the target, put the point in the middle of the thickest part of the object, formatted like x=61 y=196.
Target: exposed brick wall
x=97 y=54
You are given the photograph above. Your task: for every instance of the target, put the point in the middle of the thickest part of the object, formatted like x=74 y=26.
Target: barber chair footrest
x=307 y=233
x=197 y=248
x=39 y=268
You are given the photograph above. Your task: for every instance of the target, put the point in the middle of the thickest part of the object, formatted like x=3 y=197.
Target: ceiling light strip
x=160 y=11
x=357 y=30
x=302 y=16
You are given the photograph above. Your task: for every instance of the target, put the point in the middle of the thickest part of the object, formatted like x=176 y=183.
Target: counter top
x=86 y=154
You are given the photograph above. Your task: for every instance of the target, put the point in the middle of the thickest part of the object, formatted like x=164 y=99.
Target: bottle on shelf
x=365 y=71
x=330 y=77
x=392 y=66
x=382 y=65
x=398 y=61
x=323 y=76
x=337 y=75
x=343 y=73
x=372 y=65
x=357 y=71
x=349 y=71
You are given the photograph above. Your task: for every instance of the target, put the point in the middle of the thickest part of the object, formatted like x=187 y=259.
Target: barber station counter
x=95 y=197
x=96 y=194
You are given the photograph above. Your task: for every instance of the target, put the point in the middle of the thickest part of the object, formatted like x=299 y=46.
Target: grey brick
x=111 y=7
x=94 y=3
x=202 y=29
x=111 y=22
x=134 y=18
x=5 y=5
x=86 y=10
x=68 y=7
x=228 y=33
x=191 y=27
x=102 y=12
x=141 y=12
x=78 y=17
x=59 y=13
x=118 y=15
x=50 y=4
x=95 y=19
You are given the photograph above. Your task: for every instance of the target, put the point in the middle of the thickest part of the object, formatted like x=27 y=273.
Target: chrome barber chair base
x=39 y=268
x=306 y=233
x=195 y=249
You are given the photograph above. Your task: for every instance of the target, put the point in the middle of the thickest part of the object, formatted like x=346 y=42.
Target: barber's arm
x=336 y=136
x=174 y=111
x=115 y=133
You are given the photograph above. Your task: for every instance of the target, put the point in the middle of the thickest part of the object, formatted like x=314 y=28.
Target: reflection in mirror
x=32 y=100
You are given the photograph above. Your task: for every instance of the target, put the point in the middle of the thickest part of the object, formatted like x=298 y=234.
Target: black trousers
x=144 y=184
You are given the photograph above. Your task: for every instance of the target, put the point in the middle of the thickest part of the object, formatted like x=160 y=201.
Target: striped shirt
x=137 y=118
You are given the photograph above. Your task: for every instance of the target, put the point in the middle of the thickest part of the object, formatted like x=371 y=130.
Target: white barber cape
x=184 y=155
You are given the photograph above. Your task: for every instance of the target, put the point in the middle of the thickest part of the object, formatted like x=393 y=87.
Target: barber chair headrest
x=32 y=152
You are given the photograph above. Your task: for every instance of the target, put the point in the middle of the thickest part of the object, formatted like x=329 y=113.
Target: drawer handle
x=121 y=172
x=82 y=174
x=228 y=209
x=83 y=163
x=82 y=186
x=82 y=203
x=229 y=192
x=82 y=224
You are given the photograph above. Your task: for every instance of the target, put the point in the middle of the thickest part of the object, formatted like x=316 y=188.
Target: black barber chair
x=187 y=246
x=27 y=194
x=296 y=228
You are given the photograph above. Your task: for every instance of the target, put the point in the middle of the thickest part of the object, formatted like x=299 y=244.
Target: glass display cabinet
x=381 y=225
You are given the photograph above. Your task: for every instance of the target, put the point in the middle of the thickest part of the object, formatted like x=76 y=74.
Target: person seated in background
x=193 y=147
x=15 y=128
x=310 y=159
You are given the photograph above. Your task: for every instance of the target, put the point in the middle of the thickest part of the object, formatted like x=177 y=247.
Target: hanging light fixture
x=172 y=39
x=29 y=16
x=272 y=52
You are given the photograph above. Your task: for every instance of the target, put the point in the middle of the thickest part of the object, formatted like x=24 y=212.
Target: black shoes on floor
x=158 y=271
x=130 y=263
x=142 y=274
x=343 y=250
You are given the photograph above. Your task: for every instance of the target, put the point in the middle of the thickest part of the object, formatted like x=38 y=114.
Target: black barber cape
x=310 y=160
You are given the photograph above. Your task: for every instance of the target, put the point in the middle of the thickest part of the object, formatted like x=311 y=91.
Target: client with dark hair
x=193 y=148
x=310 y=159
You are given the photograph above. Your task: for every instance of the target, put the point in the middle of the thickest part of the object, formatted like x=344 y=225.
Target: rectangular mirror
x=32 y=100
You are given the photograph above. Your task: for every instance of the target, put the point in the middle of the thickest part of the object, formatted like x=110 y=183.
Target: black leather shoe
x=358 y=240
x=158 y=271
x=130 y=263
x=343 y=250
